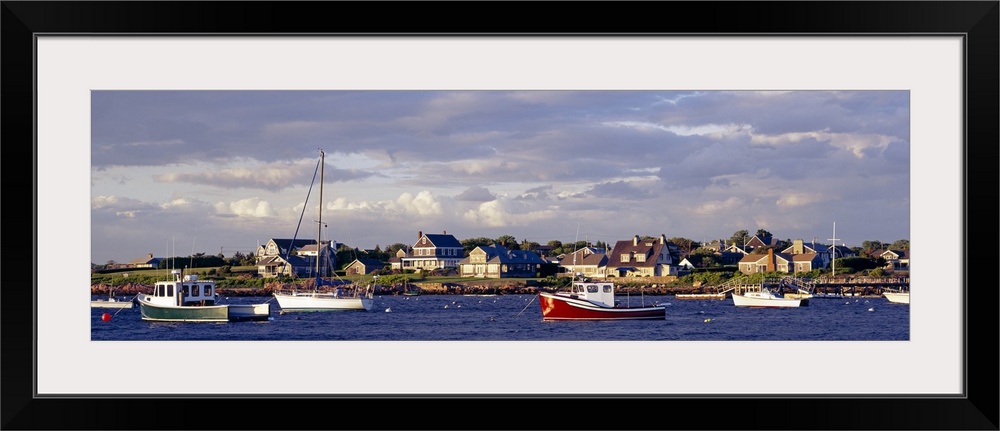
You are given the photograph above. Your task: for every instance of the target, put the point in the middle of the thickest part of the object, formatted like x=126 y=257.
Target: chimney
x=444 y=232
x=798 y=247
x=635 y=240
x=770 y=260
x=663 y=239
x=420 y=234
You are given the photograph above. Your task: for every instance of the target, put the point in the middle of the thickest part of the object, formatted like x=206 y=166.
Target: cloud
x=504 y=212
x=731 y=204
x=249 y=207
x=422 y=204
x=475 y=194
x=792 y=200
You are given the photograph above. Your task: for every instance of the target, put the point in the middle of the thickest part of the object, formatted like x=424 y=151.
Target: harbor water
x=518 y=318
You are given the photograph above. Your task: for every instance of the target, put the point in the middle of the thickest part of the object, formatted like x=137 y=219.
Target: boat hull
x=110 y=304
x=322 y=302
x=562 y=307
x=743 y=301
x=897 y=297
x=206 y=313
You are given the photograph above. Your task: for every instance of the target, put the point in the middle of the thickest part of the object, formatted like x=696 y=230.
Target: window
x=170 y=290
x=591 y=288
x=624 y=257
x=607 y=288
x=640 y=258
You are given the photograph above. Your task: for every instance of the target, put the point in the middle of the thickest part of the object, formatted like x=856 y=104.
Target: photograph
x=547 y=206
x=320 y=216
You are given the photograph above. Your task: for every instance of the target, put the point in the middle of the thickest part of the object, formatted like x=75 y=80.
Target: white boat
x=765 y=298
x=187 y=299
x=111 y=302
x=326 y=295
x=897 y=297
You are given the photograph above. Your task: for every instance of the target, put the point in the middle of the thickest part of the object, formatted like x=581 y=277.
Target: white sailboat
x=326 y=295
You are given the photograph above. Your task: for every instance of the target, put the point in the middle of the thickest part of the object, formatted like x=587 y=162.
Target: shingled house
x=780 y=262
x=591 y=262
x=293 y=258
x=496 y=261
x=433 y=251
x=642 y=258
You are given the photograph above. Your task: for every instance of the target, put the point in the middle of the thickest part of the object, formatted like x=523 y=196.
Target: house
x=293 y=258
x=396 y=262
x=543 y=250
x=896 y=259
x=591 y=262
x=826 y=253
x=716 y=245
x=779 y=262
x=687 y=265
x=282 y=247
x=433 y=251
x=496 y=261
x=642 y=258
x=758 y=241
x=147 y=261
x=363 y=266
x=292 y=266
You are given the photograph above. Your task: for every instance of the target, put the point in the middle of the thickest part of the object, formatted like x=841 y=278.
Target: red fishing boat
x=593 y=300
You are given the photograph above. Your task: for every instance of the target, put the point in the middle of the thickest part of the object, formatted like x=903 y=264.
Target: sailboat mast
x=319 y=223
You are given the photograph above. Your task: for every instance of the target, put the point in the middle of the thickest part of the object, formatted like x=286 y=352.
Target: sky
x=180 y=172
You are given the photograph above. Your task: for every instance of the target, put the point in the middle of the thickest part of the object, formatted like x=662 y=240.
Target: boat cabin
x=596 y=291
x=186 y=291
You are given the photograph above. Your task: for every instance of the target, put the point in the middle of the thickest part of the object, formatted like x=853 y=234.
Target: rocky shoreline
x=470 y=288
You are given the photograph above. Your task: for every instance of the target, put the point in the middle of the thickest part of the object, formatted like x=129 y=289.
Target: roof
x=650 y=248
x=591 y=259
x=287 y=243
x=442 y=240
x=369 y=263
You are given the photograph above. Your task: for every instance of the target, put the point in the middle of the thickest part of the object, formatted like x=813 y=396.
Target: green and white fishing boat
x=188 y=299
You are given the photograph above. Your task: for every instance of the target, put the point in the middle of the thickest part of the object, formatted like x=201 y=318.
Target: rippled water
x=518 y=317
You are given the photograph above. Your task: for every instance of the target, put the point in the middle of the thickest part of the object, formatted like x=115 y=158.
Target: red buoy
x=106 y=317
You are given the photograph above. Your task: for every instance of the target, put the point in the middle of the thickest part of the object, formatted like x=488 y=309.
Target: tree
x=529 y=245
x=872 y=245
x=763 y=233
x=508 y=242
x=686 y=245
x=393 y=248
x=900 y=244
x=555 y=244
x=739 y=237
x=470 y=244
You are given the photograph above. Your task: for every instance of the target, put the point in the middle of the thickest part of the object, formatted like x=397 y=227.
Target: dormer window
x=640 y=258
x=625 y=257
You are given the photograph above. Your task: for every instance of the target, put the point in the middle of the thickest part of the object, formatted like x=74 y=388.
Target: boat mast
x=833 y=254
x=319 y=222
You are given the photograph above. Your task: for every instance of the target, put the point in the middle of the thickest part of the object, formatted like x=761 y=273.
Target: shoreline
x=470 y=288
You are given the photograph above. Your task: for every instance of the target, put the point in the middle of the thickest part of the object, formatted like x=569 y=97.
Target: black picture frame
x=976 y=21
